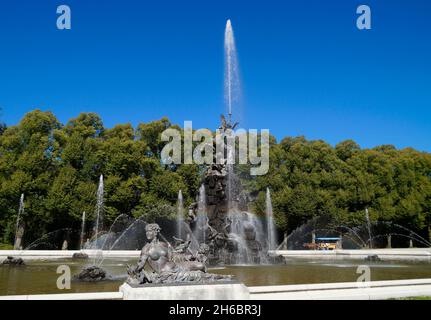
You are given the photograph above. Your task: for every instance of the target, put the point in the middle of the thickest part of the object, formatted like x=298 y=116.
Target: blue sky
x=305 y=67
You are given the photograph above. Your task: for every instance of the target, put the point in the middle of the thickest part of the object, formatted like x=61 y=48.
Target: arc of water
x=417 y=236
x=414 y=233
x=125 y=232
x=355 y=233
x=97 y=257
x=48 y=245
x=336 y=231
x=122 y=235
x=47 y=235
x=401 y=235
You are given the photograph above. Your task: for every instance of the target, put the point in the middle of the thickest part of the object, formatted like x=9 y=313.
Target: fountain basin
x=40 y=276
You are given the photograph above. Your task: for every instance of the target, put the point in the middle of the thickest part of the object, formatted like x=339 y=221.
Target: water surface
x=40 y=277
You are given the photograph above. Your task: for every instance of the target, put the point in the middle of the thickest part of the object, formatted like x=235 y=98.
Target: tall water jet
x=272 y=242
x=367 y=218
x=19 y=229
x=231 y=78
x=222 y=220
x=81 y=244
x=201 y=219
x=180 y=214
x=232 y=93
x=99 y=209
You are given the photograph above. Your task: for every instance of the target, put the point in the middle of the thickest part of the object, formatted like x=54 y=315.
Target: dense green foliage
x=58 y=166
x=311 y=178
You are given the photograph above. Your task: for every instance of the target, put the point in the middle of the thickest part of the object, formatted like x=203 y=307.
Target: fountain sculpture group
x=220 y=218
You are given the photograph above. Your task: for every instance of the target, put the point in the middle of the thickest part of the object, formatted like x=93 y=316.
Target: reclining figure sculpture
x=160 y=263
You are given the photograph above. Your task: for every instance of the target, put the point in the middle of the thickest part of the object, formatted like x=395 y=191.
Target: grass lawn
x=414 y=298
x=4 y=246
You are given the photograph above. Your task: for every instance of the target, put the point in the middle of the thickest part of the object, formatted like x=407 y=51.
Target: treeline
x=312 y=178
x=58 y=166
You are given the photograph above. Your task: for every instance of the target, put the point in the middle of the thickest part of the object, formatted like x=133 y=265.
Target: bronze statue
x=157 y=265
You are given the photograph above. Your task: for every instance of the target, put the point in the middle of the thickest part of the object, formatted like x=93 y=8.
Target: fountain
x=200 y=225
x=272 y=244
x=81 y=255
x=81 y=240
x=382 y=234
x=231 y=79
x=367 y=218
x=218 y=229
x=19 y=230
x=220 y=217
x=94 y=272
x=180 y=214
x=99 y=208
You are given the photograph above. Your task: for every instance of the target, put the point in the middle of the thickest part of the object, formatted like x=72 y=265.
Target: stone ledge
x=338 y=286
x=65 y=254
x=403 y=254
x=219 y=291
x=349 y=294
x=68 y=296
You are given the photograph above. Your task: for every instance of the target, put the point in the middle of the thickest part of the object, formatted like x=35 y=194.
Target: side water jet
x=93 y=272
x=19 y=230
x=99 y=208
x=180 y=214
x=201 y=219
x=370 y=238
x=272 y=242
x=81 y=244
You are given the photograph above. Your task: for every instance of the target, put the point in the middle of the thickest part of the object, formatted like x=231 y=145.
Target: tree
x=58 y=167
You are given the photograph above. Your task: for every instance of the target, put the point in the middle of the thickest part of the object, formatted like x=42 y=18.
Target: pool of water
x=305 y=272
x=40 y=277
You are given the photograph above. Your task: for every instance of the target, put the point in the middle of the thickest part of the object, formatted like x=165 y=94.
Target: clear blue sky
x=305 y=67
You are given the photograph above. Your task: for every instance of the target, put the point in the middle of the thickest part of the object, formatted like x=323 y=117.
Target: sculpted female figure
x=156 y=264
